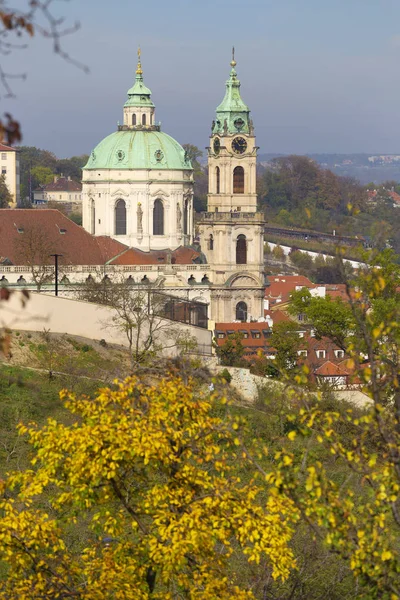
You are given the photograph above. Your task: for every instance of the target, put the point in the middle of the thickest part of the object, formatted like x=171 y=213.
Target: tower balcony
x=232 y=216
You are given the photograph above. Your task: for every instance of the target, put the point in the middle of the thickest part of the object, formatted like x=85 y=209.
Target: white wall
x=63 y=315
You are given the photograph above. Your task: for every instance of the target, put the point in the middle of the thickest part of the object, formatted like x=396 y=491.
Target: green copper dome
x=139 y=143
x=135 y=149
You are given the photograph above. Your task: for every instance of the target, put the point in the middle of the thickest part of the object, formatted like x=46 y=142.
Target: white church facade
x=138 y=218
x=138 y=182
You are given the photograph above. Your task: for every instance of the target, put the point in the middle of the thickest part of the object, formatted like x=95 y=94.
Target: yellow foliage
x=150 y=475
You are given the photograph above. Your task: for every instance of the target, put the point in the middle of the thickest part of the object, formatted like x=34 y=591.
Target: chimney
x=55 y=178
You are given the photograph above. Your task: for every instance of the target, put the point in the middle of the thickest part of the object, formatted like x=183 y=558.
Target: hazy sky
x=318 y=75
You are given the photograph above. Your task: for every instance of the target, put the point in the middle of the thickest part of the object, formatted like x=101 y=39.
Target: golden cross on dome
x=139 y=64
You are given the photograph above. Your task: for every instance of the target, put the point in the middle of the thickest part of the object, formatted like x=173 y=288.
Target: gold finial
x=233 y=61
x=139 y=64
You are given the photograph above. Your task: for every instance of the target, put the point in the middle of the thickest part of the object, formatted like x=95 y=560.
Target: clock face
x=239 y=145
x=217 y=145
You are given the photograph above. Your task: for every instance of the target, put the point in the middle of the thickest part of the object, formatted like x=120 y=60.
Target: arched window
x=238 y=180
x=211 y=242
x=93 y=217
x=217 y=179
x=143 y=119
x=120 y=217
x=186 y=217
x=241 y=312
x=158 y=218
x=241 y=250
x=134 y=119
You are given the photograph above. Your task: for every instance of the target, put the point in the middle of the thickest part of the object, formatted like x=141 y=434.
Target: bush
x=226 y=375
x=278 y=253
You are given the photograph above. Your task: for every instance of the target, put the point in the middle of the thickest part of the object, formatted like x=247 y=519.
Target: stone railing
x=234 y=216
x=107 y=268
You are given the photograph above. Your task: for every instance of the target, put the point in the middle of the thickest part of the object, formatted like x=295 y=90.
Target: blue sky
x=318 y=75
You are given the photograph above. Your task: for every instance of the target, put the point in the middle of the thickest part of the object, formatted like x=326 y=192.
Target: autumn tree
x=142 y=314
x=34 y=248
x=149 y=477
x=231 y=352
x=285 y=341
x=363 y=528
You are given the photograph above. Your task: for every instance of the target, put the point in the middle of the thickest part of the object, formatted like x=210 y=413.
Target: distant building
x=9 y=164
x=63 y=190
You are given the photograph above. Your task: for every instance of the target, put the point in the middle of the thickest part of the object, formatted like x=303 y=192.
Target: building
x=138 y=225
x=62 y=190
x=9 y=164
x=232 y=231
x=138 y=182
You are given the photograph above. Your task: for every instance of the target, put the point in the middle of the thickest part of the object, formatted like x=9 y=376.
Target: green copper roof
x=139 y=94
x=133 y=149
x=232 y=114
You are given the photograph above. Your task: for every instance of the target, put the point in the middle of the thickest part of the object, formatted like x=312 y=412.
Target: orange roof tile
x=281 y=286
x=329 y=369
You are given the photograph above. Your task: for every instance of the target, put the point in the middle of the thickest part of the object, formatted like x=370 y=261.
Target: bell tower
x=232 y=231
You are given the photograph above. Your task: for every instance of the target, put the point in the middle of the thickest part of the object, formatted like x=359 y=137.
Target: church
x=138 y=217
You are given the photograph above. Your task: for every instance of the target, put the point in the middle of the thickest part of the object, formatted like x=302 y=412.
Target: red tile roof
x=281 y=286
x=252 y=344
x=59 y=233
x=134 y=256
x=329 y=369
x=277 y=316
x=77 y=246
x=4 y=148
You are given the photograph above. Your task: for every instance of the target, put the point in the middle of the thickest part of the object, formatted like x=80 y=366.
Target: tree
x=364 y=527
x=5 y=196
x=149 y=477
x=72 y=167
x=41 y=176
x=142 y=314
x=286 y=341
x=231 y=352
x=328 y=317
x=278 y=253
x=200 y=177
x=34 y=248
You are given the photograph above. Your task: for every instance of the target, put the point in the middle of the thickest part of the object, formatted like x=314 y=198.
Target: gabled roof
x=329 y=369
x=4 y=148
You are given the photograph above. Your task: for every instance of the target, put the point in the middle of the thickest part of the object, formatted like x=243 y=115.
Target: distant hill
x=364 y=167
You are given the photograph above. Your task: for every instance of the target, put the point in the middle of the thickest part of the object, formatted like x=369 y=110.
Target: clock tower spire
x=232 y=153
x=232 y=231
